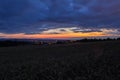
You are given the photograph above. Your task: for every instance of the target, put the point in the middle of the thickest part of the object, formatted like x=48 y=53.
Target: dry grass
x=79 y=61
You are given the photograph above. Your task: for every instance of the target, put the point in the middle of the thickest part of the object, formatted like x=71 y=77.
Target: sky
x=59 y=18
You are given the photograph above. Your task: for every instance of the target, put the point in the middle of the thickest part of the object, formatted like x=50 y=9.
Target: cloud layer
x=33 y=16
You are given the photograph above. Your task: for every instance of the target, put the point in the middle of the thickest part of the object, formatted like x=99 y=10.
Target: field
x=77 y=61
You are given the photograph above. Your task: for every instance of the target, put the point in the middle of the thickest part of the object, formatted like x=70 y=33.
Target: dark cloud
x=31 y=16
x=86 y=30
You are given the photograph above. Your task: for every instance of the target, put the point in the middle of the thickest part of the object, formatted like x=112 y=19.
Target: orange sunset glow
x=65 y=33
x=57 y=36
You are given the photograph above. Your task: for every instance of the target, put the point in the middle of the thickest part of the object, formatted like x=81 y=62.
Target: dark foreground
x=78 y=61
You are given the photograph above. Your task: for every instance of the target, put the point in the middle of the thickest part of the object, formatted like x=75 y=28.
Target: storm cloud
x=33 y=16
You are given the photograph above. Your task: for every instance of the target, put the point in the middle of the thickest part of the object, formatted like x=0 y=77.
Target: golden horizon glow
x=55 y=36
x=65 y=33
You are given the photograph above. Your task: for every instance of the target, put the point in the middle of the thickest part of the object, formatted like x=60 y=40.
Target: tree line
x=7 y=43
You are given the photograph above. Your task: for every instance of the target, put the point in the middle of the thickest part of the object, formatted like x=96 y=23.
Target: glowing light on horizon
x=62 y=33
